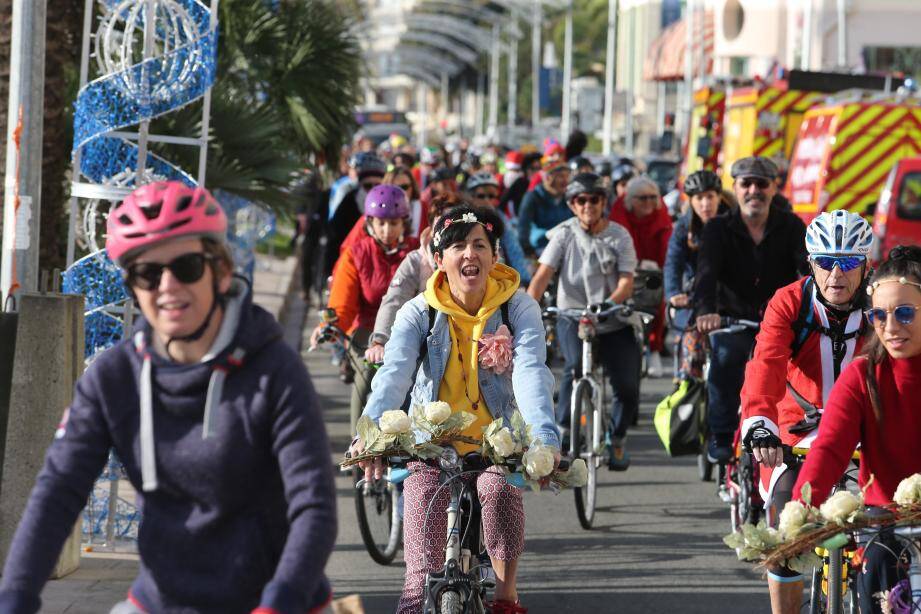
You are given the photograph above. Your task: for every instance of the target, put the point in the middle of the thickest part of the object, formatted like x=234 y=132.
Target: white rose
x=502 y=442
x=578 y=473
x=394 y=422
x=909 y=490
x=793 y=516
x=437 y=412
x=839 y=506
x=538 y=461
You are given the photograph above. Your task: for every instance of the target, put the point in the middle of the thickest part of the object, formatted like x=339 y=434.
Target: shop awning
x=665 y=58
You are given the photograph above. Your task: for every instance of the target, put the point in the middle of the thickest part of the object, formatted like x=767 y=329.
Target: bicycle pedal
x=724 y=495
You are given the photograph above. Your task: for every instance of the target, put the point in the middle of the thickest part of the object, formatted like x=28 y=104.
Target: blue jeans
x=729 y=353
x=619 y=354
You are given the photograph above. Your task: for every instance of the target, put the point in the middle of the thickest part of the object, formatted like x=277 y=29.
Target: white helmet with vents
x=839 y=233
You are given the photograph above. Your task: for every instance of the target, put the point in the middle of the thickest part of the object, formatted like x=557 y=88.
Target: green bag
x=680 y=418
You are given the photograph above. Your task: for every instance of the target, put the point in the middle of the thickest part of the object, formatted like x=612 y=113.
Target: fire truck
x=898 y=215
x=705 y=136
x=846 y=149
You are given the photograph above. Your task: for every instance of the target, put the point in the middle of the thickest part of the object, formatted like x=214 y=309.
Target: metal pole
x=842 y=33
x=513 y=74
x=25 y=116
x=422 y=98
x=566 y=120
x=535 y=65
x=150 y=24
x=701 y=38
x=806 y=60
x=608 y=125
x=494 y=81
x=206 y=114
x=687 y=98
x=660 y=107
x=88 y=9
x=480 y=104
x=445 y=102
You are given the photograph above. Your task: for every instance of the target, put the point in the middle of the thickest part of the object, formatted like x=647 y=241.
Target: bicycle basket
x=679 y=418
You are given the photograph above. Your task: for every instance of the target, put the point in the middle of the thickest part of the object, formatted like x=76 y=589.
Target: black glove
x=759 y=436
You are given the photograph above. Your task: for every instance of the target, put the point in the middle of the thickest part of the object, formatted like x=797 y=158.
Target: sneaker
x=619 y=460
x=346 y=373
x=505 y=607
x=719 y=448
x=654 y=368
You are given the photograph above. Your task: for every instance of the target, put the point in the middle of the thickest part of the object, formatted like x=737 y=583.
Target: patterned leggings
x=424 y=542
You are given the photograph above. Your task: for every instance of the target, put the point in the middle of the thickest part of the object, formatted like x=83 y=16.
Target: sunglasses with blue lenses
x=845 y=263
x=904 y=314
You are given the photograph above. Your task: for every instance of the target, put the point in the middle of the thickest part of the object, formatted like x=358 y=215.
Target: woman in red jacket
x=875 y=404
x=645 y=216
x=363 y=274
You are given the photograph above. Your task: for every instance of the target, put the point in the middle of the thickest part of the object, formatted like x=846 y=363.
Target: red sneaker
x=500 y=606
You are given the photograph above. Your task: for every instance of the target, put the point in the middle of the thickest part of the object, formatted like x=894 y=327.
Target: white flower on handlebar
x=578 y=473
x=839 y=507
x=502 y=442
x=437 y=412
x=395 y=422
x=538 y=461
x=792 y=518
x=909 y=490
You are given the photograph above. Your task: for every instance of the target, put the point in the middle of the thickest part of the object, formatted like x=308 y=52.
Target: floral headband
x=467 y=218
x=872 y=287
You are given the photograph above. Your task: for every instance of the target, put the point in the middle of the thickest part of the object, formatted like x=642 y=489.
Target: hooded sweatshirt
x=460 y=387
x=241 y=519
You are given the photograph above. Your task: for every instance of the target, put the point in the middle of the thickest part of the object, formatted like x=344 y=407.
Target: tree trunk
x=62 y=49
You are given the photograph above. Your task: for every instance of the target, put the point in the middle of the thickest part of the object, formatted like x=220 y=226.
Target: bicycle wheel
x=450 y=603
x=377 y=508
x=748 y=511
x=583 y=417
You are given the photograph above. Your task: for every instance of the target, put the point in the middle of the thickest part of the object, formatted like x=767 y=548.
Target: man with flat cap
x=745 y=256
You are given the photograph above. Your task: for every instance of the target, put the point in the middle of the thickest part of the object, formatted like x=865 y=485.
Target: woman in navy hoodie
x=216 y=422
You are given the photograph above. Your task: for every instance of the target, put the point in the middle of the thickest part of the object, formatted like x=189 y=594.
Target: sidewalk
x=103 y=578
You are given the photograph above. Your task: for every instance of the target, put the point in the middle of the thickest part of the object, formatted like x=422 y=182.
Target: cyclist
x=544 y=207
x=519 y=168
x=581 y=164
x=484 y=192
x=402 y=178
x=620 y=176
x=874 y=404
x=470 y=294
x=595 y=260
x=810 y=333
x=745 y=256
x=216 y=421
x=441 y=181
x=363 y=274
x=644 y=215
x=370 y=172
x=408 y=281
x=430 y=158
x=704 y=189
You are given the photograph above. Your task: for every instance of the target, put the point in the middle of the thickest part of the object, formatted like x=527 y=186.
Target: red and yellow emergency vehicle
x=846 y=148
x=705 y=138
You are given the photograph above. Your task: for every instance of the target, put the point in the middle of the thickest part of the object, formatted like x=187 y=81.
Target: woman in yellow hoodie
x=471 y=294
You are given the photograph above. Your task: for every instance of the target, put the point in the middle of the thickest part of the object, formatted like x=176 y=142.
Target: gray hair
x=638 y=184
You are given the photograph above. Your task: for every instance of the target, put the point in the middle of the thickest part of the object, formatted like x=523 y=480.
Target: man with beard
x=745 y=256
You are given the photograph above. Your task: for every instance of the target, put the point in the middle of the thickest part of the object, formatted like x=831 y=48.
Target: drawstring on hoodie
x=148 y=454
x=216 y=389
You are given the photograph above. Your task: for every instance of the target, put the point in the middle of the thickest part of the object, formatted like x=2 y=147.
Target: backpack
x=680 y=418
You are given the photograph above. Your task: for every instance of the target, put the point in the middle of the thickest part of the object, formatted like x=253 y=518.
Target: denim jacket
x=528 y=388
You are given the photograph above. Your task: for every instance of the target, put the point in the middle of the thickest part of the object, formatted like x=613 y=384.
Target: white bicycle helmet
x=839 y=233
x=480 y=179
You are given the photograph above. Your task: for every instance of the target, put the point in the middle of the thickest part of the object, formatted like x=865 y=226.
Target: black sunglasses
x=369 y=185
x=187 y=268
x=406 y=187
x=747 y=182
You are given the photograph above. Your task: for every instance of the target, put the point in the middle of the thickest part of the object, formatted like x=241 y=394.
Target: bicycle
x=460 y=586
x=377 y=503
x=589 y=421
x=704 y=465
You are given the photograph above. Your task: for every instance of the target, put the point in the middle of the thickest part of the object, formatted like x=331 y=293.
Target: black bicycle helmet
x=623 y=172
x=702 y=181
x=604 y=168
x=580 y=162
x=585 y=183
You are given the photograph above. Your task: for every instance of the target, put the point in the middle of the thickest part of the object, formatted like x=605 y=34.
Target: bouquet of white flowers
x=393 y=436
x=440 y=426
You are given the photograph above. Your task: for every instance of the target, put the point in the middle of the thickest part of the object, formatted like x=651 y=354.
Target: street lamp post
x=608 y=126
x=493 y=123
x=566 y=120
x=513 y=73
x=25 y=114
x=536 y=17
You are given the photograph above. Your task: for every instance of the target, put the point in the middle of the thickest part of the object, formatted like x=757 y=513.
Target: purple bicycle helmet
x=386 y=201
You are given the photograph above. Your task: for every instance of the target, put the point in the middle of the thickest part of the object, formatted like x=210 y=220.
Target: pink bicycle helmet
x=160 y=211
x=386 y=201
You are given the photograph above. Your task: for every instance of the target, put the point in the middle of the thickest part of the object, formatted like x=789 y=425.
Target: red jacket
x=363 y=274
x=888 y=452
x=811 y=373
x=650 y=234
